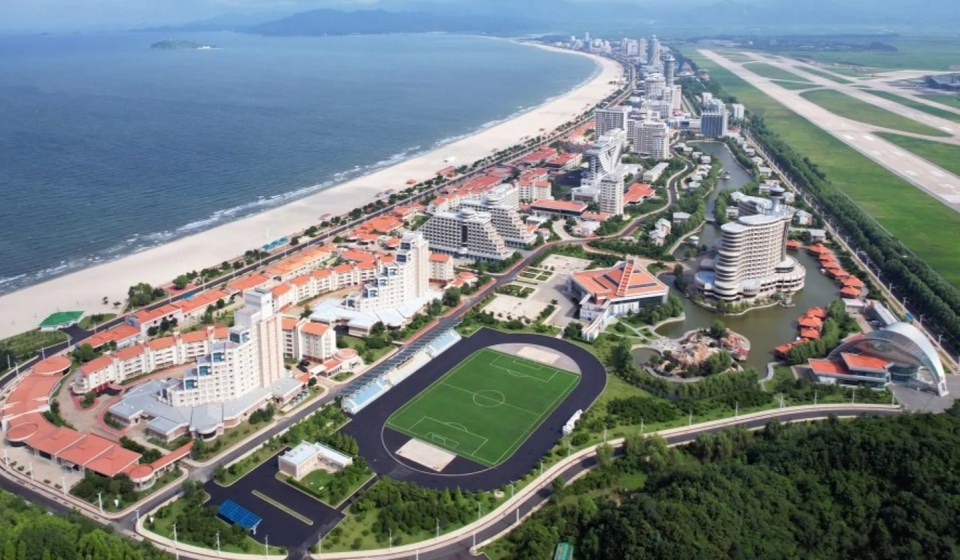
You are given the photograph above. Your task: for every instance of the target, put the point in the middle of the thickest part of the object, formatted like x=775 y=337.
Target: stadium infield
x=486 y=407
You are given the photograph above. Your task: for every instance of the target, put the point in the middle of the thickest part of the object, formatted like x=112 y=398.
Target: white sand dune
x=24 y=309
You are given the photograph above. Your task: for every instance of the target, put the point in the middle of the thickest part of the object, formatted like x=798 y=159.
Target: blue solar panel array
x=234 y=513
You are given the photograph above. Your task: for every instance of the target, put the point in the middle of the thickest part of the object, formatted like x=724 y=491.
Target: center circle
x=488 y=398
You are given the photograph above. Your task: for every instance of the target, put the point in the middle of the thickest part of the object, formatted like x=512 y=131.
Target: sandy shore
x=24 y=309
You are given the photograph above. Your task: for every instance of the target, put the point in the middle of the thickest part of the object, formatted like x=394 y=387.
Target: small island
x=172 y=45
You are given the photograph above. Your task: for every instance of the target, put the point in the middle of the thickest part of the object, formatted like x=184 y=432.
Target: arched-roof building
x=899 y=353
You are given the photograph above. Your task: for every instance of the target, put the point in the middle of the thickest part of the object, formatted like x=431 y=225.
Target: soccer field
x=485 y=407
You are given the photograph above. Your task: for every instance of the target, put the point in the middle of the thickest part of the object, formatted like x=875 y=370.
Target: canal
x=765 y=328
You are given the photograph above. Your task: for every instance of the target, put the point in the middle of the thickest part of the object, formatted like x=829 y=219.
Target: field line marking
x=464 y=430
x=426 y=391
x=505 y=403
x=536 y=424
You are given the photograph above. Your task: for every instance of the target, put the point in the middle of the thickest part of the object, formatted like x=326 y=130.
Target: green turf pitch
x=485 y=407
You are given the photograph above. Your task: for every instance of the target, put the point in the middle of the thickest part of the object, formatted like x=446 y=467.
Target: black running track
x=377 y=442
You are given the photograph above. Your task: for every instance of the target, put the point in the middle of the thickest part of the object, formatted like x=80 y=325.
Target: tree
x=621 y=357
x=307 y=311
x=181 y=282
x=558 y=486
x=378 y=329
x=679 y=280
x=84 y=353
x=718 y=329
x=451 y=297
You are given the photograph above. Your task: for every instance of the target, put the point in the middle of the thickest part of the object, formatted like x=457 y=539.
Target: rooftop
x=626 y=279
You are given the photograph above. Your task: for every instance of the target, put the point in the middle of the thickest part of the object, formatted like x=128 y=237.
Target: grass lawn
x=938 y=153
x=26 y=345
x=852 y=108
x=317 y=479
x=914 y=104
x=827 y=75
x=91 y=321
x=485 y=407
x=794 y=85
x=944 y=99
x=910 y=215
x=359 y=345
x=774 y=73
x=163 y=526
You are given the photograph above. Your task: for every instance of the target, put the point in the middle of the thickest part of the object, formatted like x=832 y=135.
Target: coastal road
x=929 y=178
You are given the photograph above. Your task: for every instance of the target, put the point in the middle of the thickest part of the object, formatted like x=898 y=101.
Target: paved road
x=931 y=179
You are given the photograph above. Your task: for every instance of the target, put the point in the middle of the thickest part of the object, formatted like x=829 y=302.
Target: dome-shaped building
x=899 y=353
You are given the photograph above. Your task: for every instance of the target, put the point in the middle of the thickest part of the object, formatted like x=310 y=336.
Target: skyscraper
x=669 y=67
x=751 y=259
x=609 y=118
x=611 y=193
x=654 y=51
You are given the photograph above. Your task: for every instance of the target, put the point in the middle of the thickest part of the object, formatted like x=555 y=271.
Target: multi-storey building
x=502 y=203
x=737 y=111
x=653 y=86
x=604 y=158
x=611 y=292
x=611 y=194
x=713 y=119
x=610 y=118
x=303 y=339
x=404 y=280
x=468 y=233
x=534 y=190
x=651 y=138
x=441 y=268
x=251 y=358
x=669 y=67
x=751 y=261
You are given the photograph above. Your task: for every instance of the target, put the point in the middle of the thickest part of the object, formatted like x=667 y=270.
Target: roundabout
x=481 y=414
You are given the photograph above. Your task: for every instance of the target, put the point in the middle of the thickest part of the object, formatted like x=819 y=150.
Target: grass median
x=774 y=72
x=937 y=153
x=919 y=106
x=852 y=108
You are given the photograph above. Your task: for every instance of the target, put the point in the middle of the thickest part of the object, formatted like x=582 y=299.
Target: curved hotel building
x=751 y=258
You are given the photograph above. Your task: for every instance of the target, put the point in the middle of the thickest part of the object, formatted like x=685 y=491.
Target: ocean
x=108 y=147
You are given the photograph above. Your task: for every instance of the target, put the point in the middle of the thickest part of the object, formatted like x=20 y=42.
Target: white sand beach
x=24 y=309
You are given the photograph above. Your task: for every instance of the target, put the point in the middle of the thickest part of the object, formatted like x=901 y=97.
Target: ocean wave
x=146 y=240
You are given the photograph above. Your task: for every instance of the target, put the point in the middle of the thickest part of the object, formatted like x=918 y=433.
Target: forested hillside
x=874 y=488
x=27 y=532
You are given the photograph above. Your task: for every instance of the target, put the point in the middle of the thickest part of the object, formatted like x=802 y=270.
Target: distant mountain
x=372 y=22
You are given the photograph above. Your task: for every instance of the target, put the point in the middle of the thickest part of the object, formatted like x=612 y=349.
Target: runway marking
x=868 y=137
x=848 y=137
x=937 y=174
x=875 y=152
x=911 y=173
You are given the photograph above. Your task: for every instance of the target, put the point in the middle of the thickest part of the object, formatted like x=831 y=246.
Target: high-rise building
x=651 y=138
x=653 y=86
x=654 y=51
x=611 y=193
x=669 y=68
x=467 y=233
x=603 y=158
x=713 y=119
x=751 y=260
x=609 y=118
x=251 y=358
x=404 y=280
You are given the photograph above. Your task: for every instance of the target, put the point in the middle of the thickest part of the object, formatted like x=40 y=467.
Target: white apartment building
x=441 y=268
x=713 y=119
x=532 y=191
x=303 y=339
x=603 y=158
x=651 y=138
x=402 y=281
x=653 y=86
x=610 y=118
x=468 y=233
x=502 y=203
x=611 y=194
x=737 y=111
x=751 y=260
x=251 y=358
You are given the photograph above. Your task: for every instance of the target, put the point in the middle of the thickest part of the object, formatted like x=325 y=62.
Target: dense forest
x=873 y=488
x=27 y=532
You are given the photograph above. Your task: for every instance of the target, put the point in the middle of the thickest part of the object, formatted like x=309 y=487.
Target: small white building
x=307 y=457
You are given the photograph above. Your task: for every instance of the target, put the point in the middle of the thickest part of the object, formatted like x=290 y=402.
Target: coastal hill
x=173 y=45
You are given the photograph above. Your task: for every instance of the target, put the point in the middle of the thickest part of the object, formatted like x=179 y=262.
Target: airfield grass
x=794 y=85
x=485 y=407
x=910 y=215
x=913 y=53
x=827 y=75
x=914 y=104
x=952 y=100
x=937 y=153
x=852 y=108
x=774 y=73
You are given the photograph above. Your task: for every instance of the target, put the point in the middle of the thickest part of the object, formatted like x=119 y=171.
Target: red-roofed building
x=865 y=363
x=241 y=285
x=558 y=208
x=537 y=157
x=818 y=249
x=849 y=292
x=565 y=162
x=810 y=323
x=611 y=292
x=794 y=245
x=828 y=367
x=196 y=306
x=441 y=268
x=637 y=193
x=809 y=334
x=853 y=282
x=782 y=350
x=122 y=335
x=147 y=318
x=818 y=312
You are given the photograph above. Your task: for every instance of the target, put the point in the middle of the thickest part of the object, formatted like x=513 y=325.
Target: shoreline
x=85 y=288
